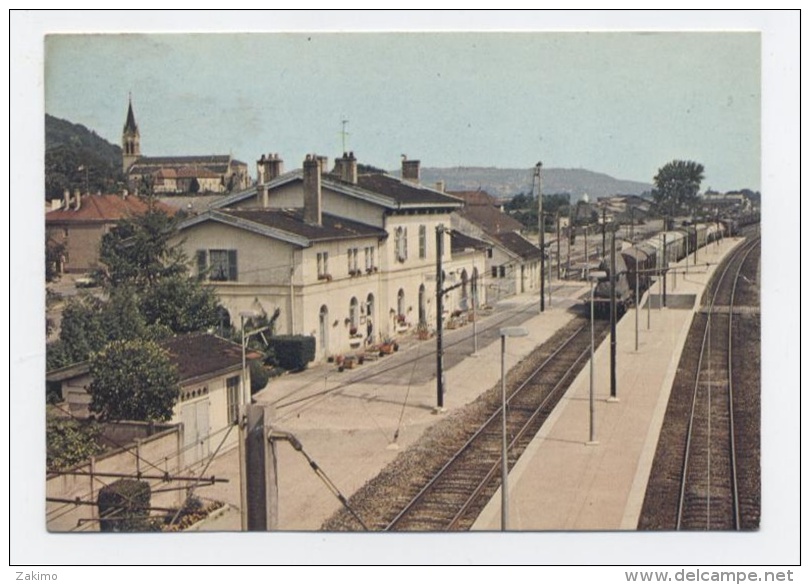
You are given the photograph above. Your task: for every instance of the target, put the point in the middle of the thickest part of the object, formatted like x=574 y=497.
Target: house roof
x=519 y=245
x=200 y=355
x=490 y=219
x=196 y=355
x=288 y=225
x=477 y=197
x=460 y=242
x=378 y=188
x=105 y=208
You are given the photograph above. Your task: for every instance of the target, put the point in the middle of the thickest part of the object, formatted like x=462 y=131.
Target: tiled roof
x=404 y=192
x=519 y=245
x=192 y=204
x=477 y=197
x=291 y=221
x=193 y=172
x=103 y=208
x=490 y=219
x=215 y=163
x=203 y=354
x=195 y=355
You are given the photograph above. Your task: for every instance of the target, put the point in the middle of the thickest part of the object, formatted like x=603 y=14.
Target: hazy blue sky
x=619 y=103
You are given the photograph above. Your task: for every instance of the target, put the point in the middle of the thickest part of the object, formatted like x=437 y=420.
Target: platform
x=561 y=482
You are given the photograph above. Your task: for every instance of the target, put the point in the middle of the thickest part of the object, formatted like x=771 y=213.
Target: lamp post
x=504 y=333
x=594 y=277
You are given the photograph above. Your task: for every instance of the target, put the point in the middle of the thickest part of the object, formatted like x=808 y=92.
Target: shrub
x=293 y=352
x=70 y=442
x=123 y=506
x=258 y=376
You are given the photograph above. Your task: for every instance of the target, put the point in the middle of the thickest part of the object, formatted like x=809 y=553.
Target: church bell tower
x=130 y=140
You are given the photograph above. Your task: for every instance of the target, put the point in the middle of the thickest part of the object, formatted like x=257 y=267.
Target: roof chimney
x=410 y=169
x=273 y=167
x=323 y=161
x=440 y=186
x=312 y=189
x=66 y=199
x=346 y=168
x=260 y=170
x=261 y=195
x=77 y=198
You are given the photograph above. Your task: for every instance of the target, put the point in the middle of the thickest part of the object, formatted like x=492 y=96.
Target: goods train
x=645 y=259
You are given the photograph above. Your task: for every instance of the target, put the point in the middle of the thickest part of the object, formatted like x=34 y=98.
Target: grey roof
x=384 y=190
x=288 y=225
x=460 y=242
x=518 y=245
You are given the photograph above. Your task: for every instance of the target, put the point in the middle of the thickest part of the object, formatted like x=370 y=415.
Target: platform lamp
x=594 y=277
x=504 y=333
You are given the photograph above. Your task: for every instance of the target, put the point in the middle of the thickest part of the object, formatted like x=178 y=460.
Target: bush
x=293 y=352
x=123 y=506
x=258 y=376
x=70 y=442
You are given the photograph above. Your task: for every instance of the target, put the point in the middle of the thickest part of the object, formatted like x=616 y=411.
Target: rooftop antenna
x=344 y=133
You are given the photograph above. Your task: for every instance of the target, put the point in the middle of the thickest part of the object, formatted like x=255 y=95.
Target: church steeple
x=131 y=139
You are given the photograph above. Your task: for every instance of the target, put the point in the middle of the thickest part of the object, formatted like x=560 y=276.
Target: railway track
x=702 y=479
x=455 y=494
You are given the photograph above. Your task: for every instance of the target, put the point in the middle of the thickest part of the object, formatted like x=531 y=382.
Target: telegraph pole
x=439 y=323
x=612 y=314
x=537 y=179
x=557 y=221
x=604 y=227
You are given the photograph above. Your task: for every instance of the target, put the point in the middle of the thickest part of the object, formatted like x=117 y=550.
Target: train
x=643 y=260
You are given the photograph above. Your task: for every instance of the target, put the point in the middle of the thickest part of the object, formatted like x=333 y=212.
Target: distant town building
x=83 y=220
x=178 y=174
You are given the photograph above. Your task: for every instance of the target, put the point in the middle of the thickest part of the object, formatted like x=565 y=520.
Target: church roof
x=130 y=125
x=215 y=163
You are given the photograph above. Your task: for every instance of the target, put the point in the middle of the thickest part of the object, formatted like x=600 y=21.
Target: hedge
x=292 y=352
x=125 y=505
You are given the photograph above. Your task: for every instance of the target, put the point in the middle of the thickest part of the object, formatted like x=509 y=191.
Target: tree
x=133 y=380
x=676 y=186
x=137 y=252
x=54 y=258
x=70 y=442
x=182 y=304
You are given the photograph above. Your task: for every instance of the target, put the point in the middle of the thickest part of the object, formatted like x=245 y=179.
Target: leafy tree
x=54 y=256
x=133 y=380
x=70 y=442
x=180 y=303
x=137 y=252
x=676 y=186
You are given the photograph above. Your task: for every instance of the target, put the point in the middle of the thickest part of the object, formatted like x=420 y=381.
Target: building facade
x=346 y=257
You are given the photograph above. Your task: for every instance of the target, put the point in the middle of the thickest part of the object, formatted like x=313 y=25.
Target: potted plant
x=422 y=331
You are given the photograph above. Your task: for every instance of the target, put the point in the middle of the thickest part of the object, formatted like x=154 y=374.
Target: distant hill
x=72 y=148
x=504 y=183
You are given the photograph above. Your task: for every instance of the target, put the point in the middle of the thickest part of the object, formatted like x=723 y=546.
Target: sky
x=618 y=103
x=623 y=104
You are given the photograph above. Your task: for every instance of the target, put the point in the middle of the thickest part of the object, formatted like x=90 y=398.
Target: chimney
x=346 y=168
x=312 y=189
x=66 y=199
x=324 y=163
x=440 y=186
x=273 y=167
x=261 y=195
x=260 y=170
x=410 y=169
x=77 y=198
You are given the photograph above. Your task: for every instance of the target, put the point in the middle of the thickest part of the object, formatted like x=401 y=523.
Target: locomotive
x=651 y=256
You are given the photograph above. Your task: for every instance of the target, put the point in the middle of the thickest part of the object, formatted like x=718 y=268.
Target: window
x=422 y=241
x=232 y=384
x=354 y=317
x=494 y=272
x=503 y=271
x=323 y=265
x=489 y=252
x=401 y=243
x=369 y=258
x=217 y=265
x=351 y=254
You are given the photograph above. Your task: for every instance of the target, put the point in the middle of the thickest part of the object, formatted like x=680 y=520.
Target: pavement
x=353 y=423
x=561 y=482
